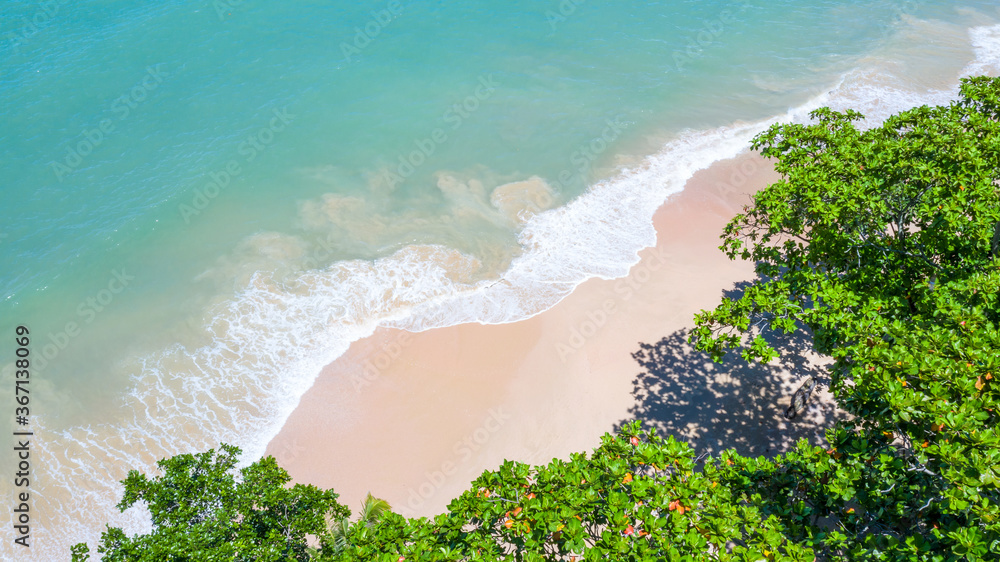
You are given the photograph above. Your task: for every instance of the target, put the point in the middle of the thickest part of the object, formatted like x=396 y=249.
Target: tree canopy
x=883 y=245
x=202 y=508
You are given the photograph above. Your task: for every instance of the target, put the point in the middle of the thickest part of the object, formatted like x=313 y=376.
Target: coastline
x=211 y=345
x=414 y=417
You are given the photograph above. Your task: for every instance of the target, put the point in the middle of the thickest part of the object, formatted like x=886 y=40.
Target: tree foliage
x=339 y=533
x=202 y=508
x=636 y=497
x=882 y=244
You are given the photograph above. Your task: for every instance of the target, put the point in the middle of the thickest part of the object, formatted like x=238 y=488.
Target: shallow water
x=205 y=206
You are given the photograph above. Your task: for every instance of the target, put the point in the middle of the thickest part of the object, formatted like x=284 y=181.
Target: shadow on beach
x=716 y=406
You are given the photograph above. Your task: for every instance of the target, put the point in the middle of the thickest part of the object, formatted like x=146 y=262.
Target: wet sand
x=415 y=417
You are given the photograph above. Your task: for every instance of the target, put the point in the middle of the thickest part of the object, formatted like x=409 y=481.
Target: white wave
x=268 y=346
x=271 y=341
x=986 y=43
x=600 y=233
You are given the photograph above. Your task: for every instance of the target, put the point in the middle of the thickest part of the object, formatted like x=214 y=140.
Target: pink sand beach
x=415 y=417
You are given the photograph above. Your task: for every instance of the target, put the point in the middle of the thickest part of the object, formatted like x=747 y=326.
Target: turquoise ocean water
x=206 y=202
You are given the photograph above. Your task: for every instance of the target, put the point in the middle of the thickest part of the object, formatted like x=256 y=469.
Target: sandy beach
x=414 y=417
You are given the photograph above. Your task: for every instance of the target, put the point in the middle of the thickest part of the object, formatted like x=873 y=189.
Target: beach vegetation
x=203 y=508
x=881 y=244
x=337 y=538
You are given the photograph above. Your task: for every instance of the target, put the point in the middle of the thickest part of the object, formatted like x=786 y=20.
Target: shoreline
x=414 y=417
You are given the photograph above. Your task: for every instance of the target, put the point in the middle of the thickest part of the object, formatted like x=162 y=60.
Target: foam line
x=272 y=340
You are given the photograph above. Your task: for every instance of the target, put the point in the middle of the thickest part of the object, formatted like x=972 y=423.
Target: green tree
x=337 y=539
x=882 y=244
x=636 y=497
x=202 y=508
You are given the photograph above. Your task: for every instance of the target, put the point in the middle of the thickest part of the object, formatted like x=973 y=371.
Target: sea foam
x=270 y=342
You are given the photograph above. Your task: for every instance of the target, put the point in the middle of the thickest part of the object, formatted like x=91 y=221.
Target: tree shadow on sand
x=755 y=409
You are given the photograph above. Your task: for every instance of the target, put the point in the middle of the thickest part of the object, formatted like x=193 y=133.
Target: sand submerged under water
x=415 y=417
